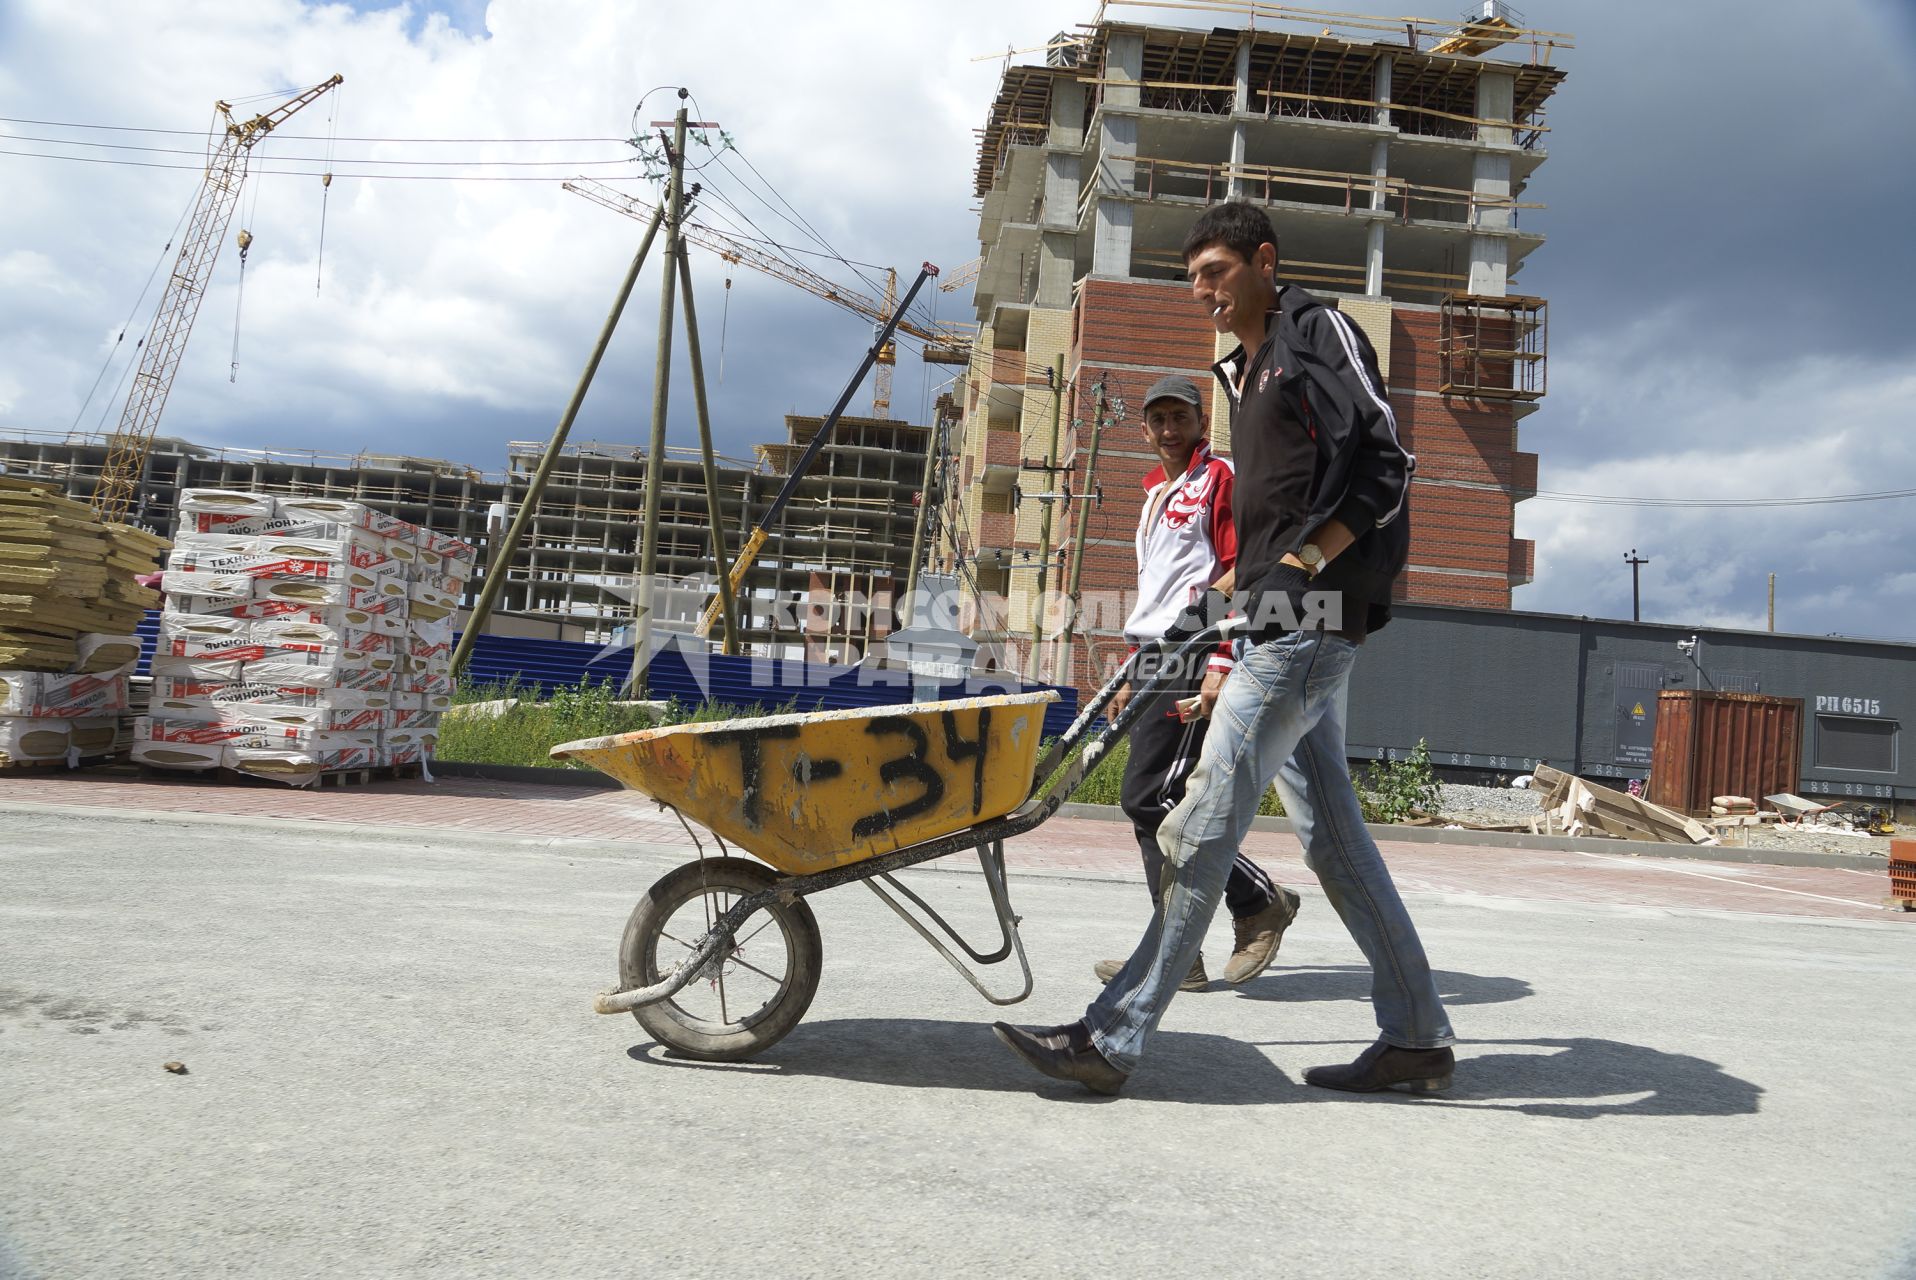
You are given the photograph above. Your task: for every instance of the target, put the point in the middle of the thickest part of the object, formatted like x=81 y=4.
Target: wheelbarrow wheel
x=754 y=994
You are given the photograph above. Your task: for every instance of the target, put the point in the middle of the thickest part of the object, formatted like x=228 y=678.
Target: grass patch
x=1104 y=784
x=525 y=734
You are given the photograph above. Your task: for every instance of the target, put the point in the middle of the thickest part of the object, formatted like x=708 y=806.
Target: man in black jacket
x=1322 y=490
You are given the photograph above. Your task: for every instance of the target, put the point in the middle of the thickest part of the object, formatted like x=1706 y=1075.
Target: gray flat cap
x=1176 y=387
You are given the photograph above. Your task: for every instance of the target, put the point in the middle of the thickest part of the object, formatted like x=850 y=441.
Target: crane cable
x=725 y=315
x=326 y=187
x=245 y=241
x=126 y=324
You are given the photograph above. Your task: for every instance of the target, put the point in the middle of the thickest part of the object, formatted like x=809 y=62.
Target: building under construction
x=822 y=588
x=1393 y=157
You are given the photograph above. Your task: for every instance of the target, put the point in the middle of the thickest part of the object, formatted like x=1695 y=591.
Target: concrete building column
x=1240 y=105
x=1058 y=212
x=1117 y=151
x=1379 y=171
x=1490 y=180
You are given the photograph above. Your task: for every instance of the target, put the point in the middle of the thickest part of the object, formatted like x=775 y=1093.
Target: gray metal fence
x=1500 y=692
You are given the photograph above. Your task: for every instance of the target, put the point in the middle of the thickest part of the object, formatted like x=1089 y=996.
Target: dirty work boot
x=1196 y=980
x=1258 y=937
x=1385 y=1066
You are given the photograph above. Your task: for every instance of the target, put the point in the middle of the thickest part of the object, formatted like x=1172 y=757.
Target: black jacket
x=1313 y=438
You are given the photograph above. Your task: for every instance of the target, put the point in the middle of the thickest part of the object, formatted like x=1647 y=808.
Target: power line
x=1623 y=500
x=795 y=217
x=798 y=219
x=293 y=173
x=304 y=137
x=194 y=151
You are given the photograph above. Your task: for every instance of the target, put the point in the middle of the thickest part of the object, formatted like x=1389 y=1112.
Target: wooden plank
x=1622 y=811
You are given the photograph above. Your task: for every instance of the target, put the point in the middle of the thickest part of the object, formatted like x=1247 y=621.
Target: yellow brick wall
x=979 y=376
x=1373 y=317
x=1047 y=338
x=1220 y=402
x=1018 y=599
x=972 y=427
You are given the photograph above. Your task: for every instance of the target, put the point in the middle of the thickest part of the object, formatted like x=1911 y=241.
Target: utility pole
x=1636 y=597
x=1772 y=602
x=499 y=562
x=1056 y=378
x=655 y=454
x=934 y=444
x=1084 y=516
x=727 y=605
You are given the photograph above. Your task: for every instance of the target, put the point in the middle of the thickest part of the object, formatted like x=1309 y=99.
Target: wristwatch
x=1313 y=558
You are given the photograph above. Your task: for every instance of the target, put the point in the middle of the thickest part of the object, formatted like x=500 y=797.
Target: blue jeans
x=1280 y=717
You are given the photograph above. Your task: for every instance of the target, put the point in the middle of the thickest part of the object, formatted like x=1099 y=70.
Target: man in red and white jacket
x=1187 y=541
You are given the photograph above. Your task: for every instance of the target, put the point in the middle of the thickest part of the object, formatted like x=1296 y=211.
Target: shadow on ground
x=1584 y=1078
x=1352 y=982
x=1575 y=1079
x=928 y=1054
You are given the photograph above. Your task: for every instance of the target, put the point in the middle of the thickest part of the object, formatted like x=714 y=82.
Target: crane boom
x=165 y=341
x=887 y=354
x=749 y=552
x=960 y=276
x=943 y=343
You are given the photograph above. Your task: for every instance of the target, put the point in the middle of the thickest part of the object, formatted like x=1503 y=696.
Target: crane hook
x=245 y=239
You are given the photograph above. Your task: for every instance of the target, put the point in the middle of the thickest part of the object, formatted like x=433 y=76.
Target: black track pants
x=1164 y=750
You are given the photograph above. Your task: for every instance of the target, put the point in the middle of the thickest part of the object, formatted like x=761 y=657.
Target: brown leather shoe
x=1063 y=1053
x=1385 y=1066
x=1196 y=980
x=1258 y=937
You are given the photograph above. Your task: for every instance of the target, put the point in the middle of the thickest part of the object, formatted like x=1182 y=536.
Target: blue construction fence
x=768 y=683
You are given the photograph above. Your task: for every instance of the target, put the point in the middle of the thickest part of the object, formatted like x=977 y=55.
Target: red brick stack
x=1902 y=871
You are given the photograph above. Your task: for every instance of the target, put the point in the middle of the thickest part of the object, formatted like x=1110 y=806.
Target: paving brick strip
x=1064 y=846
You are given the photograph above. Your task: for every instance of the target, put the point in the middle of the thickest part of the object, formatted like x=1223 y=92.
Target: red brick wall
x=1142 y=322
x=1461 y=510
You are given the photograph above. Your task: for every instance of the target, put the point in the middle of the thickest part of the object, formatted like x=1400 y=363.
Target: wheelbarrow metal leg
x=991 y=857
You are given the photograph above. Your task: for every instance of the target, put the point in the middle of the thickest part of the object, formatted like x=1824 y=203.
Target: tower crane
x=943 y=343
x=887 y=354
x=961 y=275
x=165 y=342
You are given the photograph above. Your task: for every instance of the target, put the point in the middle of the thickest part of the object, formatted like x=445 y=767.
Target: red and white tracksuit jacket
x=1187 y=539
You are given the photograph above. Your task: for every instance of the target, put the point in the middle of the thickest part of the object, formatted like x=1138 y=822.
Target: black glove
x=1207 y=610
x=1278 y=603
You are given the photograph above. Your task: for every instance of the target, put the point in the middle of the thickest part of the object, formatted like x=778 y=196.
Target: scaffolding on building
x=1393 y=157
x=822 y=588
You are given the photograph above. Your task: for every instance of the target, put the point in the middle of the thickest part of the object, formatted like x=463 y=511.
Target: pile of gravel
x=1489 y=804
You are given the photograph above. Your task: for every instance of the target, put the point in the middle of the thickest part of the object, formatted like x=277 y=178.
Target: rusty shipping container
x=1711 y=744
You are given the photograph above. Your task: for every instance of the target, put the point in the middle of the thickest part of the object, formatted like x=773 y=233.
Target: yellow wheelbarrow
x=827 y=799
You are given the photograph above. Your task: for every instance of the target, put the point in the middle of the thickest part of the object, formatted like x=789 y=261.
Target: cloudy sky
x=1729 y=192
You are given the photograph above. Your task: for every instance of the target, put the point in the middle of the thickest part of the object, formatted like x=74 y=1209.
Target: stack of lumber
x=1575 y=806
x=301 y=637
x=68 y=608
x=64 y=575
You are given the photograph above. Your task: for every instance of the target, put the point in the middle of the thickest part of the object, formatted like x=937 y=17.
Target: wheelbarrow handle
x=1182 y=645
x=705 y=953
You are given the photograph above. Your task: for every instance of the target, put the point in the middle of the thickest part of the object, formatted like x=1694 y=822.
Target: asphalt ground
x=393 y=1069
